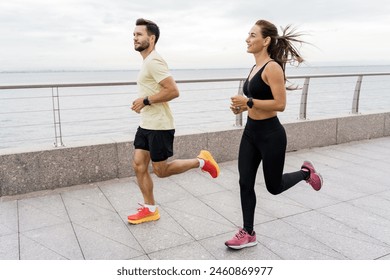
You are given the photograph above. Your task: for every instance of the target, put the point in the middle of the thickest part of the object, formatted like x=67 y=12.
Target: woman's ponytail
x=282 y=48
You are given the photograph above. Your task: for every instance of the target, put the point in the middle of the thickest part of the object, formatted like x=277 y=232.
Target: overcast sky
x=97 y=34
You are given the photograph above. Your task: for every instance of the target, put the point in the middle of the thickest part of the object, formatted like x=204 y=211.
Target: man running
x=154 y=138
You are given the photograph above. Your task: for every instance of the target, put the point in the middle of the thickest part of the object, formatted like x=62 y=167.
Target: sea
x=30 y=117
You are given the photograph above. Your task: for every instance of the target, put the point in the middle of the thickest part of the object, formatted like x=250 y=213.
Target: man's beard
x=143 y=46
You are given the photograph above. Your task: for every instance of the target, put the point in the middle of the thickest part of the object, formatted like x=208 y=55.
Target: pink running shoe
x=242 y=239
x=315 y=179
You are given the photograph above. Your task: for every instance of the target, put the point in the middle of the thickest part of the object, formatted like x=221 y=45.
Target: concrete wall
x=23 y=172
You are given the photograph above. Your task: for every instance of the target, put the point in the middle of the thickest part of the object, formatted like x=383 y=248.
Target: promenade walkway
x=348 y=219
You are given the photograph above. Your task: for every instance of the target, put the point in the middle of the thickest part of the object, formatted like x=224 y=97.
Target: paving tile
x=196 y=182
x=290 y=243
x=84 y=205
x=195 y=216
x=377 y=177
x=190 y=251
x=231 y=166
x=141 y=258
x=295 y=159
x=101 y=231
x=228 y=177
x=349 y=156
x=385 y=257
x=228 y=204
x=279 y=206
x=343 y=187
x=167 y=190
x=304 y=194
x=378 y=204
x=321 y=160
x=40 y=212
x=159 y=235
x=362 y=219
x=9 y=247
x=109 y=227
x=385 y=195
x=32 y=250
x=383 y=142
x=98 y=246
x=49 y=243
x=348 y=182
x=8 y=218
x=347 y=241
x=368 y=150
x=123 y=194
x=382 y=167
x=348 y=219
x=90 y=196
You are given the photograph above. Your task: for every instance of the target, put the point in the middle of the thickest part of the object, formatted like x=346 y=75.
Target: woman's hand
x=238 y=104
x=239 y=101
x=235 y=110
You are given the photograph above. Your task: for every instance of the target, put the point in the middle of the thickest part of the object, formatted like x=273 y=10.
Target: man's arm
x=168 y=92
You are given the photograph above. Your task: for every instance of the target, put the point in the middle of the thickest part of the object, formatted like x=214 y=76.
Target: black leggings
x=263 y=140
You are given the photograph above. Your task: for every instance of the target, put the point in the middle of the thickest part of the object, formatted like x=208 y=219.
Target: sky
x=41 y=35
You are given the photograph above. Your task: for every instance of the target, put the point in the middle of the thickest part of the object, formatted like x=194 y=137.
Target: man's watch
x=250 y=102
x=146 y=101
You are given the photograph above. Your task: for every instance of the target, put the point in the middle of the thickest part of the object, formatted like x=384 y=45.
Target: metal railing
x=356 y=96
x=56 y=98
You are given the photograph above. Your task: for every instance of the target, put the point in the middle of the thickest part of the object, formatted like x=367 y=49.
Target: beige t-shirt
x=157 y=116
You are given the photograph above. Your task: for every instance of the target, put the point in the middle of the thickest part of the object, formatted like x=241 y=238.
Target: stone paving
x=349 y=219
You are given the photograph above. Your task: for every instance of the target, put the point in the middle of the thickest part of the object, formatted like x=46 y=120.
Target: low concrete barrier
x=28 y=171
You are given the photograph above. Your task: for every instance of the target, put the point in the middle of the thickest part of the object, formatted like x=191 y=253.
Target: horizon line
x=185 y=68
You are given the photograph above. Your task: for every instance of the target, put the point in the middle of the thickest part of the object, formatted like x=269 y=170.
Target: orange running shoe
x=210 y=165
x=143 y=215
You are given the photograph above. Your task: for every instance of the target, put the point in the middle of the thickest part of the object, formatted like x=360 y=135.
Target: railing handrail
x=303 y=76
x=68 y=85
x=338 y=75
x=56 y=89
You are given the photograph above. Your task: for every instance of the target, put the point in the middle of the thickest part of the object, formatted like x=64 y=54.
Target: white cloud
x=97 y=34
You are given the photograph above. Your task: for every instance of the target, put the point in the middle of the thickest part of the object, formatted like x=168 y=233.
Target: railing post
x=356 y=95
x=57 y=117
x=303 y=107
x=240 y=92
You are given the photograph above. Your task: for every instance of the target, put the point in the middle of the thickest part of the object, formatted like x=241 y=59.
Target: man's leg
x=204 y=161
x=148 y=212
x=141 y=162
x=161 y=148
x=165 y=169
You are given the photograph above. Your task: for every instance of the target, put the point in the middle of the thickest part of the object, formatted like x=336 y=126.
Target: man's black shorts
x=158 y=142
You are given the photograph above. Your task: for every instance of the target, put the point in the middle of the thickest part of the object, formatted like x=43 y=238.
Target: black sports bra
x=256 y=87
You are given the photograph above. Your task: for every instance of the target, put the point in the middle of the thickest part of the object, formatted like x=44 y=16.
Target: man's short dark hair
x=151 y=27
